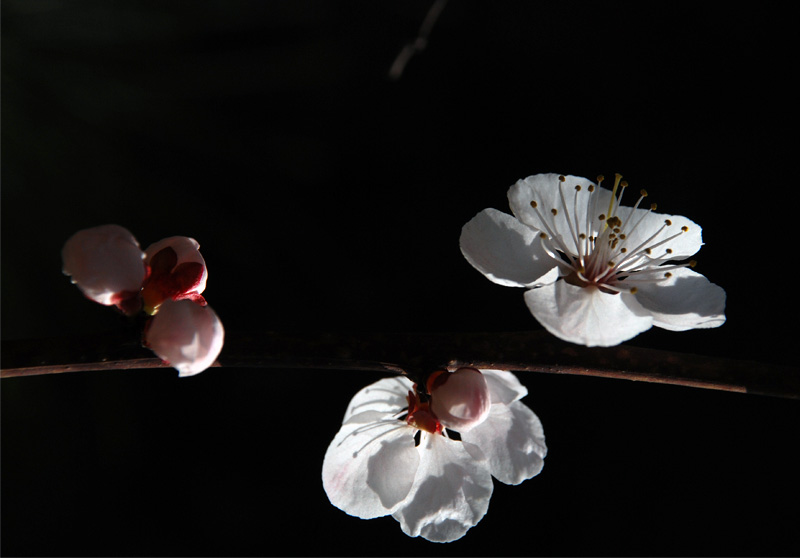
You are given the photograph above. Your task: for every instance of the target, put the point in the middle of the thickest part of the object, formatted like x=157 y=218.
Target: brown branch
x=416 y=354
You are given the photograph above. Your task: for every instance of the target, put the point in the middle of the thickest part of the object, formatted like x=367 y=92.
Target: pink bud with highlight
x=177 y=271
x=186 y=335
x=461 y=399
x=107 y=265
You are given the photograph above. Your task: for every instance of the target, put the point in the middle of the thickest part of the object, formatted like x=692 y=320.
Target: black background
x=327 y=197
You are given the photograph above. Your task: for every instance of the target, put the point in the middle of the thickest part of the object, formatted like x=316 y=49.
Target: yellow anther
x=669 y=250
x=623 y=250
x=611 y=264
x=602 y=217
x=542 y=235
x=561 y=178
x=685 y=228
x=692 y=263
x=554 y=211
x=624 y=183
x=668 y=275
x=667 y=222
x=591 y=188
x=577 y=187
x=600 y=178
x=634 y=290
x=643 y=193
x=534 y=204
x=653 y=206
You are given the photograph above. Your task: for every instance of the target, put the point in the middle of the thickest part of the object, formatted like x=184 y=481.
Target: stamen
x=617 y=179
x=548 y=230
x=641 y=247
x=371 y=426
x=581 y=247
x=569 y=220
x=549 y=252
x=639 y=275
x=662 y=242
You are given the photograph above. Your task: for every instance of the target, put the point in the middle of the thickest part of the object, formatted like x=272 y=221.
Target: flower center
x=169 y=280
x=420 y=415
x=598 y=250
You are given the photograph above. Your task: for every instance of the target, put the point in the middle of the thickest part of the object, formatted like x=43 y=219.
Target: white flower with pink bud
x=395 y=455
x=598 y=273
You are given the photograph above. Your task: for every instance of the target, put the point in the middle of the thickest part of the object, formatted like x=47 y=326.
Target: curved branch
x=416 y=354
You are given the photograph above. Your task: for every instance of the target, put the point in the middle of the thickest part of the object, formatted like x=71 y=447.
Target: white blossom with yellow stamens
x=598 y=273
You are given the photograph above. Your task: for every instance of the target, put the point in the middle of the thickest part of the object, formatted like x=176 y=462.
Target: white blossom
x=394 y=456
x=597 y=272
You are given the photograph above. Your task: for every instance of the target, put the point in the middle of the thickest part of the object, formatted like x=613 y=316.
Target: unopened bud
x=460 y=399
x=107 y=265
x=187 y=336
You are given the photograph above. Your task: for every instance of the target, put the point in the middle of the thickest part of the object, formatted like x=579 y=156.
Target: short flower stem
x=415 y=354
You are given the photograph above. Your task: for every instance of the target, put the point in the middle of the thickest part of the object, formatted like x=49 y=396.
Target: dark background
x=327 y=197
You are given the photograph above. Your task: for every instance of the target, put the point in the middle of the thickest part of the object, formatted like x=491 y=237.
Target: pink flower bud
x=185 y=335
x=177 y=271
x=106 y=264
x=461 y=399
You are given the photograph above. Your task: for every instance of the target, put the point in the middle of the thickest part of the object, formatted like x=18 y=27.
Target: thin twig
x=419 y=43
x=417 y=354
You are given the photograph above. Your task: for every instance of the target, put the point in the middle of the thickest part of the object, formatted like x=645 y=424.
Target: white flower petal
x=686 y=300
x=105 y=263
x=586 y=315
x=370 y=465
x=504 y=387
x=451 y=492
x=387 y=395
x=504 y=250
x=513 y=440
x=186 y=335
